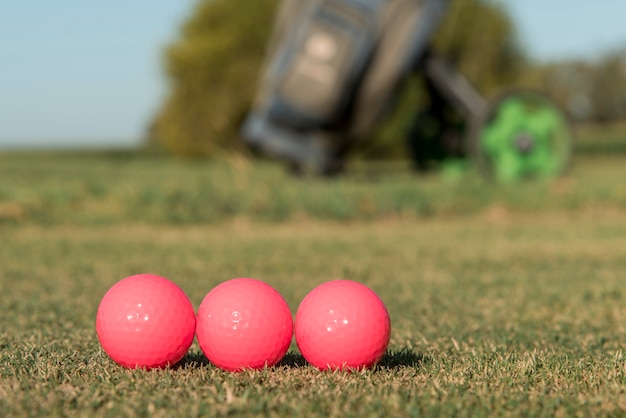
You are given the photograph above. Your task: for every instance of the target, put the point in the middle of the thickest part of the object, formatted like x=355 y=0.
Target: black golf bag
x=333 y=69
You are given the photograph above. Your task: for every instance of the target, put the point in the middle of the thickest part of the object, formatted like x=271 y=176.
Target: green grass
x=96 y=189
x=505 y=301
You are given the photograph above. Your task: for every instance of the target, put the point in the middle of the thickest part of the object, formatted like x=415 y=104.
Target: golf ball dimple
x=145 y=321
x=342 y=324
x=244 y=323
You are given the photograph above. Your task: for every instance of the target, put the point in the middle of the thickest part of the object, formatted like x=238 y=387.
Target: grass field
x=504 y=300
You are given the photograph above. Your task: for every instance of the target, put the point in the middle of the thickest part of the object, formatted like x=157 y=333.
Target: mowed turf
x=504 y=300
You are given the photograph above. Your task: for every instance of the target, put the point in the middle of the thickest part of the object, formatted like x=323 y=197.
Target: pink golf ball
x=244 y=323
x=342 y=324
x=145 y=321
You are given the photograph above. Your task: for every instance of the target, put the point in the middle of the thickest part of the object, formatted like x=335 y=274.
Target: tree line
x=213 y=66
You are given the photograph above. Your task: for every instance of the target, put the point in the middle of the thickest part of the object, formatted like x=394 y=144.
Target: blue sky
x=76 y=73
x=562 y=29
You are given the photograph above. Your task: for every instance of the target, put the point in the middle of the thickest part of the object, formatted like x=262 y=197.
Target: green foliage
x=591 y=91
x=609 y=88
x=479 y=38
x=212 y=70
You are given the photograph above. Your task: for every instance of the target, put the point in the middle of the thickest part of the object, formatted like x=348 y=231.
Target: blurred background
x=178 y=75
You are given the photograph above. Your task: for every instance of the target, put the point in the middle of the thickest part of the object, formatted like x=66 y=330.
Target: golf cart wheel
x=522 y=135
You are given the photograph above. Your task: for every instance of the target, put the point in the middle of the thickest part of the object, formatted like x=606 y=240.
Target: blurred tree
x=213 y=68
x=568 y=83
x=480 y=39
x=608 y=96
x=589 y=91
x=212 y=71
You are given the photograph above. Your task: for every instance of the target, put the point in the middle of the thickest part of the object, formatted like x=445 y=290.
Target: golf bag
x=333 y=68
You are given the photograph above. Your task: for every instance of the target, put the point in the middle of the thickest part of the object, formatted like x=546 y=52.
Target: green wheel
x=523 y=135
